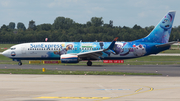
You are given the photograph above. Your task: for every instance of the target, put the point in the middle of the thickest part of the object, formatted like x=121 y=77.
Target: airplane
x=73 y=52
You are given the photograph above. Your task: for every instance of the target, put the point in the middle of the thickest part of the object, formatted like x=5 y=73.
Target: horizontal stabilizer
x=167 y=44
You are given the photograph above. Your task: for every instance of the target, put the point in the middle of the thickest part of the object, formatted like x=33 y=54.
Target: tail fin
x=161 y=33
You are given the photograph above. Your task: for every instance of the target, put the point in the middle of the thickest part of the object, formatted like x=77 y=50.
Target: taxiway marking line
x=99 y=98
x=138 y=90
x=151 y=89
x=73 y=97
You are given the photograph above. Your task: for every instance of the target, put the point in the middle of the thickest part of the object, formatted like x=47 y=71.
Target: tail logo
x=166 y=25
x=167 y=22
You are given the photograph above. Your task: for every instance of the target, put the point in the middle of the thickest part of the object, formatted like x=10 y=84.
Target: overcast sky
x=121 y=12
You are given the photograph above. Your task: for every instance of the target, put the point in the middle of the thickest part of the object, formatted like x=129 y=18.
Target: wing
x=96 y=55
x=92 y=55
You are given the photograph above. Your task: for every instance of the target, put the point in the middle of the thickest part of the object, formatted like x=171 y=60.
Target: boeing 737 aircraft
x=73 y=52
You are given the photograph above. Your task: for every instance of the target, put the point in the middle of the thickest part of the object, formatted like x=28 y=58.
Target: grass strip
x=65 y=72
x=146 y=60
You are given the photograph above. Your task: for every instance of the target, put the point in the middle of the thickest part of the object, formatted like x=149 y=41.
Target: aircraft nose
x=5 y=53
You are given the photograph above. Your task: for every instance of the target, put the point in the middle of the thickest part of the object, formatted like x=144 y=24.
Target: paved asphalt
x=17 y=87
x=170 y=70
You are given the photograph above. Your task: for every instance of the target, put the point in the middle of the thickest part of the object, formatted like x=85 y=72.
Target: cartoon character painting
x=166 y=24
x=139 y=50
x=118 y=49
x=161 y=33
x=101 y=44
x=64 y=50
x=60 y=52
x=121 y=50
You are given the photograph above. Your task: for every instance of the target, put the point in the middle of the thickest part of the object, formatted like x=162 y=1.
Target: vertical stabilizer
x=161 y=33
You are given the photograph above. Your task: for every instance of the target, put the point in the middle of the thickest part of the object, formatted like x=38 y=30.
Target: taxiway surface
x=170 y=70
x=16 y=87
x=88 y=88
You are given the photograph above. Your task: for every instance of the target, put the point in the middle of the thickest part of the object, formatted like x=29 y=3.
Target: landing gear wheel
x=20 y=63
x=89 y=63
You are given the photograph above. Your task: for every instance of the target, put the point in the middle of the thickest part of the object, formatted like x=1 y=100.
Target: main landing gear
x=89 y=63
x=19 y=63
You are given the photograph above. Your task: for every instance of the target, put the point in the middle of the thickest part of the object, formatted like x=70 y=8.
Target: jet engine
x=68 y=58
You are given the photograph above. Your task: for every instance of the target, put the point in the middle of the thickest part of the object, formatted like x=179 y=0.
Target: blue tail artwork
x=161 y=33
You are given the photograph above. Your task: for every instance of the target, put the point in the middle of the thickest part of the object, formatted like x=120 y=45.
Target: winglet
x=111 y=46
x=115 y=39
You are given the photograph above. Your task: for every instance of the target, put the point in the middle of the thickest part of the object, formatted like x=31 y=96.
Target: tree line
x=66 y=30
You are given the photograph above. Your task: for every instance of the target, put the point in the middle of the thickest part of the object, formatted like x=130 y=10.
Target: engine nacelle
x=68 y=58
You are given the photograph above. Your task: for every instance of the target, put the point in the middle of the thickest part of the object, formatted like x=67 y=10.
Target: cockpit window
x=12 y=48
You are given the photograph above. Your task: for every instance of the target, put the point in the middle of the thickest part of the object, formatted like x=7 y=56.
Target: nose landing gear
x=19 y=63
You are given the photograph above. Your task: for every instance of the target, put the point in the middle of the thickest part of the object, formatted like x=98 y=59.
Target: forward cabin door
x=23 y=49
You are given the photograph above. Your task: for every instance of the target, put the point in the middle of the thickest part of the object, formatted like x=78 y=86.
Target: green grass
x=2 y=57
x=173 y=49
x=175 y=46
x=5 y=46
x=58 y=72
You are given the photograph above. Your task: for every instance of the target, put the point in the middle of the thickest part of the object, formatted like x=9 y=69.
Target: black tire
x=20 y=63
x=89 y=63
